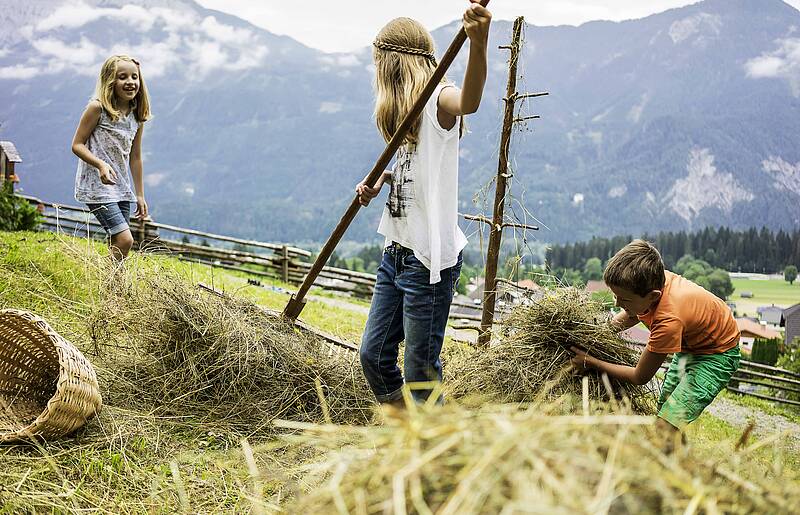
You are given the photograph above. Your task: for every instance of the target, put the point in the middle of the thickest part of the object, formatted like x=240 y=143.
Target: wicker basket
x=47 y=388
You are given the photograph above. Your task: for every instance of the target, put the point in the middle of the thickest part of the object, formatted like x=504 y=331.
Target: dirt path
x=766 y=425
x=341 y=303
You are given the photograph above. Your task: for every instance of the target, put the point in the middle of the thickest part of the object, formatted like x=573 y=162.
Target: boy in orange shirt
x=684 y=320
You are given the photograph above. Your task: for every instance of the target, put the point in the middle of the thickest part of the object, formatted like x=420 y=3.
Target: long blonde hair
x=403 y=53
x=104 y=91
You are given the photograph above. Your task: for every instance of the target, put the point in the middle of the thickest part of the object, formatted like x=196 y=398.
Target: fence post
x=285 y=264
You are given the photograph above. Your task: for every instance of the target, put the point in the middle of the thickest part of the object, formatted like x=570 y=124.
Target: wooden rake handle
x=297 y=302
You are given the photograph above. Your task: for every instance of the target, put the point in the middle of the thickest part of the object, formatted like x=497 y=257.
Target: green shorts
x=692 y=382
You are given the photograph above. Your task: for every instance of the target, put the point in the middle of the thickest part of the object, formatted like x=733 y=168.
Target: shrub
x=765 y=351
x=16 y=214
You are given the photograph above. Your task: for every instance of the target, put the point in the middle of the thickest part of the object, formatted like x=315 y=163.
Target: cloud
x=156 y=57
x=174 y=20
x=781 y=63
x=85 y=53
x=77 y=14
x=330 y=107
x=342 y=60
x=19 y=71
x=348 y=60
x=207 y=55
x=204 y=44
x=225 y=33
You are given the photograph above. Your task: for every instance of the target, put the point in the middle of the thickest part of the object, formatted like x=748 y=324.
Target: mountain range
x=680 y=120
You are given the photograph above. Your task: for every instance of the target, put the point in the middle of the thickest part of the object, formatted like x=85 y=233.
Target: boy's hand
x=107 y=174
x=476 y=22
x=580 y=360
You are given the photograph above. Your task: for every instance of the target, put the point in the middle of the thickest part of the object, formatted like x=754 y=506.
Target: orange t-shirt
x=689 y=319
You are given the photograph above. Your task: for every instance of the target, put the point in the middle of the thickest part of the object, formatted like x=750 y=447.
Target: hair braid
x=405 y=50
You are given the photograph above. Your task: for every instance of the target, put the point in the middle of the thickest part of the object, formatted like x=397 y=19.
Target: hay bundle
x=504 y=460
x=225 y=360
x=532 y=358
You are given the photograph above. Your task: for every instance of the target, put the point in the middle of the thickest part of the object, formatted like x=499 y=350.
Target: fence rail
x=279 y=261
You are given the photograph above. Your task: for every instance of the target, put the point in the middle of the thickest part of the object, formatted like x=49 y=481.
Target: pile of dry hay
x=532 y=359
x=507 y=460
x=223 y=360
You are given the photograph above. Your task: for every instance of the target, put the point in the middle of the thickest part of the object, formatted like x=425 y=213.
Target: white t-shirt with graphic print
x=422 y=210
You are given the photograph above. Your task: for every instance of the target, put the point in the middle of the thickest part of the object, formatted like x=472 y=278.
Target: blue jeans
x=406 y=306
x=113 y=216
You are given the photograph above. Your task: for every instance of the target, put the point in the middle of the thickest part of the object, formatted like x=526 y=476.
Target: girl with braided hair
x=421 y=263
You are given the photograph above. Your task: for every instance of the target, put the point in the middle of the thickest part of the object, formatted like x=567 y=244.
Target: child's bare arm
x=138 y=173
x=88 y=122
x=452 y=101
x=645 y=369
x=624 y=320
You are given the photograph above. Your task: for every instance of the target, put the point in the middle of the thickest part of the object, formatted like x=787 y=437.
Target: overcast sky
x=346 y=26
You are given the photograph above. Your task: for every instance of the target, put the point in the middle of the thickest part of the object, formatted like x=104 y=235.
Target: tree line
x=753 y=250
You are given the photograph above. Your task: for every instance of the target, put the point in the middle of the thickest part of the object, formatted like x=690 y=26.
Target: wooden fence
x=274 y=260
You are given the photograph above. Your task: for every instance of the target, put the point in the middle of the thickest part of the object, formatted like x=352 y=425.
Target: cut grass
x=130 y=461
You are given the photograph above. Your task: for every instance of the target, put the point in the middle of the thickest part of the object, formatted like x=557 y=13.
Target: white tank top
x=111 y=142
x=422 y=210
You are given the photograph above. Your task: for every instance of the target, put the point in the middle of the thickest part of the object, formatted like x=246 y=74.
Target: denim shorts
x=113 y=216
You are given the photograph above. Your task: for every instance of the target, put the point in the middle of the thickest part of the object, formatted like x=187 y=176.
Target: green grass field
x=765 y=293
x=131 y=461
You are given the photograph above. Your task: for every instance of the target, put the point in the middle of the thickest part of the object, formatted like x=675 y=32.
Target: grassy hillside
x=765 y=293
x=136 y=457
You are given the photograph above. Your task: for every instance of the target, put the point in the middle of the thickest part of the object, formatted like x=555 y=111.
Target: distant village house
x=750 y=331
x=770 y=314
x=8 y=158
x=790 y=319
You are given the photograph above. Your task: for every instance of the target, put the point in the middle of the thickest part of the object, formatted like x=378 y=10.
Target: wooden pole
x=285 y=264
x=296 y=304
x=496 y=227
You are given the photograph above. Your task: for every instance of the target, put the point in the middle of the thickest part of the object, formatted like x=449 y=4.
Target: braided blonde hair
x=404 y=62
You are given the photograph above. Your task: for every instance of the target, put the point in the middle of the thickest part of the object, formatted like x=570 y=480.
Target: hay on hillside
x=531 y=358
x=225 y=360
x=506 y=460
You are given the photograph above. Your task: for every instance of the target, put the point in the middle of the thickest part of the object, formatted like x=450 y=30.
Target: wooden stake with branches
x=497 y=222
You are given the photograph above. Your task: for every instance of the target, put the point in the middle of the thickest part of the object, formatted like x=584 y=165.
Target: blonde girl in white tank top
x=422 y=260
